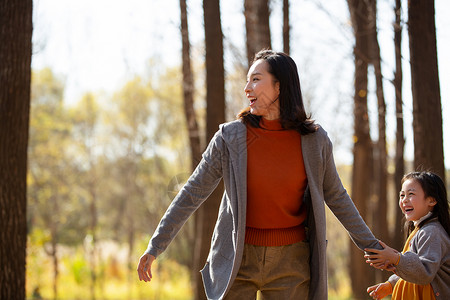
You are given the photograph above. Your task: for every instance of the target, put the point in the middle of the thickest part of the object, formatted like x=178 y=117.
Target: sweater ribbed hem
x=275 y=237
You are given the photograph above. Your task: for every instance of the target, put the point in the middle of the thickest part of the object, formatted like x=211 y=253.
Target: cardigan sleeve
x=197 y=189
x=393 y=280
x=422 y=262
x=342 y=206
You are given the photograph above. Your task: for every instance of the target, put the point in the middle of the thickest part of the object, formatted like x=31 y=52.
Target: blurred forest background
x=96 y=139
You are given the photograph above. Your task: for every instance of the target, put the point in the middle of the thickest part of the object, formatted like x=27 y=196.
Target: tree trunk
x=397 y=240
x=131 y=258
x=188 y=90
x=215 y=115
x=427 y=110
x=15 y=79
x=361 y=274
x=93 y=227
x=286 y=27
x=54 y=255
x=379 y=211
x=53 y=225
x=91 y=186
x=191 y=120
x=380 y=222
x=131 y=192
x=257 y=26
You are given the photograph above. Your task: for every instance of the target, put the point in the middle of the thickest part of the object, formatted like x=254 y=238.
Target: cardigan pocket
x=220 y=258
x=216 y=273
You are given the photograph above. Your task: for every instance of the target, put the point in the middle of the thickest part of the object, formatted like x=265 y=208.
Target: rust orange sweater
x=276 y=182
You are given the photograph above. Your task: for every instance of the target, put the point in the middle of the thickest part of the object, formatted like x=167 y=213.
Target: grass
x=114 y=280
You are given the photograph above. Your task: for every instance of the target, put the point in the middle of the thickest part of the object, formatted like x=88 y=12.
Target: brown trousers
x=276 y=272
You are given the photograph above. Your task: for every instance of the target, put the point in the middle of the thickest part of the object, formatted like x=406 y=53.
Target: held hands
x=144 y=268
x=380 y=290
x=385 y=259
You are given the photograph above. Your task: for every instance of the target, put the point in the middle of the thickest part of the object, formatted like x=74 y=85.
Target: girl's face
x=262 y=90
x=413 y=202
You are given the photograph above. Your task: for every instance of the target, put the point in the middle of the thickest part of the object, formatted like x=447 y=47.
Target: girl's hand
x=144 y=268
x=380 y=290
x=382 y=259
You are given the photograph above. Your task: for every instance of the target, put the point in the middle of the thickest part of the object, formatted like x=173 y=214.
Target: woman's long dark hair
x=434 y=187
x=292 y=110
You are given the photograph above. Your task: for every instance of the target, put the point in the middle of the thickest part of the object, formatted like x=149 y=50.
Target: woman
x=278 y=170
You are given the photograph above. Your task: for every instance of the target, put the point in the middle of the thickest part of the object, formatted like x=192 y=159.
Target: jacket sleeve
x=393 y=280
x=421 y=265
x=197 y=189
x=342 y=206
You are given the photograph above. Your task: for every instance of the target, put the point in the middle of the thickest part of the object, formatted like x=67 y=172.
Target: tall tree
x=86 y=118
x=215 y=115
x=427 y=109
x=286 y=27
x=361 y=274
x=399 y=135
x=189 y=112
x=257 y=26
x=380 y=221
x=15 y=78
x=188 y=89
x=49 y=167
x=379 y=212
x=131 y=128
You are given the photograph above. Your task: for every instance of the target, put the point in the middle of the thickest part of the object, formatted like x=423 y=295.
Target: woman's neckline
x=271 y=125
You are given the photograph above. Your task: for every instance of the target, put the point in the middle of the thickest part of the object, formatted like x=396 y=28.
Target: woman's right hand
x=380 y=290
x=144 y=268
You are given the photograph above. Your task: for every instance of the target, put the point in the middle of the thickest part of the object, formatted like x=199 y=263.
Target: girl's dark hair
x=292 y=110
x=434 y=187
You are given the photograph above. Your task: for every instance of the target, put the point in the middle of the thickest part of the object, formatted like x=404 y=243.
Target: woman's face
x=262 y=91
x=413 y=202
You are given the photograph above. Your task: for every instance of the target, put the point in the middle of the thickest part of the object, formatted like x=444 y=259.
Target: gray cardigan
x=226 y=157
x=428 y=260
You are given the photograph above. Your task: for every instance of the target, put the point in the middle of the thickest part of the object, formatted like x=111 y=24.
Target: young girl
x=422 y=270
